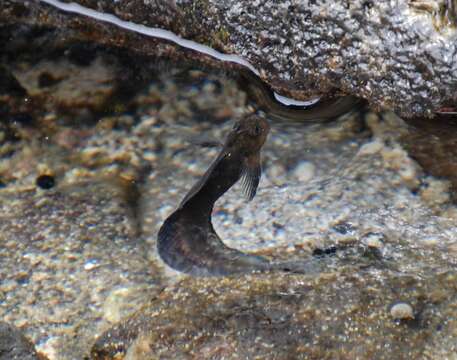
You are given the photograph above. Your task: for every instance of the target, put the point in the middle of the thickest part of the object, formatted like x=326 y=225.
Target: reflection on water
x=97 y=148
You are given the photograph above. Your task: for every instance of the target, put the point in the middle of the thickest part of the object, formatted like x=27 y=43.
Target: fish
x=321 y=112
x=187 y=241
x=239 y=158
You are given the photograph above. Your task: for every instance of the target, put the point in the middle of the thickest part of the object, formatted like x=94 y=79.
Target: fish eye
x=257 y=130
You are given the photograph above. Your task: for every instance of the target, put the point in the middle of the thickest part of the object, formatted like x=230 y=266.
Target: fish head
x=249 y=134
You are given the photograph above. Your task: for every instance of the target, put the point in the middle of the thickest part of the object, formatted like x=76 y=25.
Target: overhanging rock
x=395 y=54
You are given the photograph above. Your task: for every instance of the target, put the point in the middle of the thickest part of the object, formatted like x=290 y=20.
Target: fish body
x=187 y=240
x=323 y=111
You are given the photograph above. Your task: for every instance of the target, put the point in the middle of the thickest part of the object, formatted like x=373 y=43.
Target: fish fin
x=250 y=176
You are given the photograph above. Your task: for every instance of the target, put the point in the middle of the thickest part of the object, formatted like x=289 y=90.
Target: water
x=115 y=134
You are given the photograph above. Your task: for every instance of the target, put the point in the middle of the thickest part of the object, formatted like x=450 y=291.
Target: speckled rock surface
x=343 y=314
x=398 y=55
x=369 y=201
x=85 y=188
x=14 y=346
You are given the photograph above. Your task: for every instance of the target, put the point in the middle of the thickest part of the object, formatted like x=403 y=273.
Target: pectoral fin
x=250 y=176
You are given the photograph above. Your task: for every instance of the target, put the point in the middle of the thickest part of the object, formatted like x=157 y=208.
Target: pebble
x=402 y=311
x=304 y=171
x=373 y=240
x=113 y=304
x=91 y=264
x=371 y=148
x=276 y=173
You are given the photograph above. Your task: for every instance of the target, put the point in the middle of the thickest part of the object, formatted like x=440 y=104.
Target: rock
x=122 y=302
x=78 y=253
x=283 y=316
x=57 y=270
x=304 y=171
x=433 y=145
x=373 y=240
x=402 y=311
x=371 y=148
x=75 y=86
x=15 y=346
x=398 y=55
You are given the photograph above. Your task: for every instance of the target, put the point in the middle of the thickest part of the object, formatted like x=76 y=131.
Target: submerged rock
x=402 y=311
x=15 y=346
x=81 y=203
x=340 y=314
x=398 y=55
x=434 y=146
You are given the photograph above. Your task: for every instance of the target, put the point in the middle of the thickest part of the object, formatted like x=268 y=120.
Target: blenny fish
x=187 y=241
